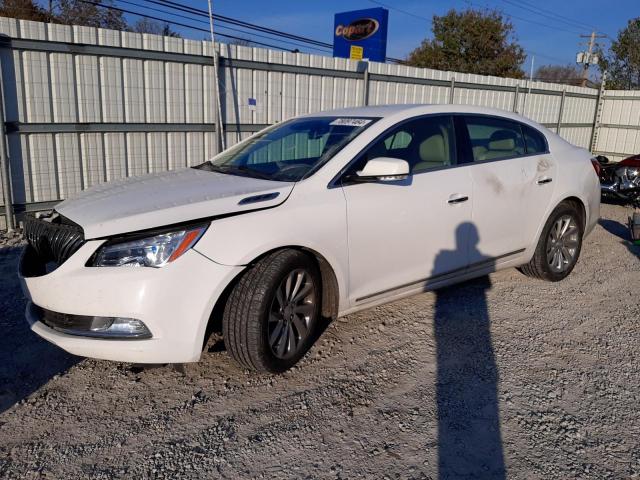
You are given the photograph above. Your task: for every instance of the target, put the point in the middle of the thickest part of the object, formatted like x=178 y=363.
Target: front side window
x=290 y=151
x=494 y=138
x=425 y=143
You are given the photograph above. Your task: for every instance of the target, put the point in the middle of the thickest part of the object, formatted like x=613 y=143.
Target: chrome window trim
x=336 y=180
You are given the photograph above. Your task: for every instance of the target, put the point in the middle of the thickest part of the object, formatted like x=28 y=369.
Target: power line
x=533 y=22
x=568 y=20
x=391 y=7
x=220 y=26
x=541 y=55
x=511 y=15
x=252 y=26
x=241 y=23
x=111 y=7
x=544 y=15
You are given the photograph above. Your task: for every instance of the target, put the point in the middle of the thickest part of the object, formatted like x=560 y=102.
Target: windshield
x=290 y=151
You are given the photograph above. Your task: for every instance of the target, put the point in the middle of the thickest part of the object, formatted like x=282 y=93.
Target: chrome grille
x=53 y=239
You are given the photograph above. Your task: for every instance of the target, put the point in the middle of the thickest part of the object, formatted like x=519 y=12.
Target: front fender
x=310 y=220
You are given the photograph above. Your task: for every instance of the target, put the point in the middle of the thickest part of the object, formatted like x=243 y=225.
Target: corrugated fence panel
x=88 y=88
x=93 y=165
x=137 y=154
x=115 y=156
x=69 y=164
x=42 y=168
x=578 y=136
x=134 y=94
x=619 y=132
x=154 y=92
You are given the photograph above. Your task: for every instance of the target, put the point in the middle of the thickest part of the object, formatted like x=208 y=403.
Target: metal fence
x=618 y=129
x=85 y=105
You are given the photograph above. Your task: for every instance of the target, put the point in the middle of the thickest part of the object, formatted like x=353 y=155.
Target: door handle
x=457 y=199
x=542 y=181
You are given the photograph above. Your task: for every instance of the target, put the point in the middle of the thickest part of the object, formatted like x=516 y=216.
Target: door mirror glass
x=384 y=169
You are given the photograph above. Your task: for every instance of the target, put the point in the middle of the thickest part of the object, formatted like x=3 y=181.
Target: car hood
x=168 y=198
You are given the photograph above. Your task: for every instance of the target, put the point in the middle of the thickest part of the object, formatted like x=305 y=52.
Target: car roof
x=408 y=110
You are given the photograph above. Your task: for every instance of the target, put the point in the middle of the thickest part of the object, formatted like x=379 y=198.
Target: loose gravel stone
x=500 y=375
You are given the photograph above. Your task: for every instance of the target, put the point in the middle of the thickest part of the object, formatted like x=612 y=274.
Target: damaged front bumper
x=174 y=303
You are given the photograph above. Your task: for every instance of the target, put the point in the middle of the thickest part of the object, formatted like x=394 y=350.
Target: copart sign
x=361 y=34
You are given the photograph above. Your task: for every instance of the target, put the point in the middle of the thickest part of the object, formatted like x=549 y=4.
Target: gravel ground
x=500 y=376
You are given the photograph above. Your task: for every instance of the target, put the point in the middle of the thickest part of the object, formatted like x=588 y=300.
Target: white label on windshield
x=351 y=122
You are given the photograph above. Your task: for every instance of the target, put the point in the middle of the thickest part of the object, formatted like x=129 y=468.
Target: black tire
x=540 y=266
x=248 y=321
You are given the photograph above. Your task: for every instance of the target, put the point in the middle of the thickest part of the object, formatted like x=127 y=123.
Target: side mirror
x=383 y=169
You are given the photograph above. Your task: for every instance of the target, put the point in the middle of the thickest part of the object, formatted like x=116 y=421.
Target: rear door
x=511 y=187
x=540 y=170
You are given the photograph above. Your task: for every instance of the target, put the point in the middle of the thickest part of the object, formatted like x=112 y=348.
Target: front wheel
x=559 y=245
x=272 y=314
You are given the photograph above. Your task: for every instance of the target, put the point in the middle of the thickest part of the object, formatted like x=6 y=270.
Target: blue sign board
x=361 y=34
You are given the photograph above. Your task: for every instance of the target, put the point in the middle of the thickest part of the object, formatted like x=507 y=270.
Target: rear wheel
x=271 y=317
x=559 y=245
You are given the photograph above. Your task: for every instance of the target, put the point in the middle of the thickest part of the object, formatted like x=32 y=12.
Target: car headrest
x=432 y=149
x=503 y=140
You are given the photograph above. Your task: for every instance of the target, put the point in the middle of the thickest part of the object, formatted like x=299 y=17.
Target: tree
x=77 y=12
x=241 y=42
x=567 y=74
x=24 y=10
x=471 y=41
x=622 y=62
x=147 y=25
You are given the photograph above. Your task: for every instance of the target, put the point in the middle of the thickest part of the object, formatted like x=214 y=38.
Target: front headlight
x=155 y=251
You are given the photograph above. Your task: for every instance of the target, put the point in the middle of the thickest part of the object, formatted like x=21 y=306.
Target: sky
x=551 y=40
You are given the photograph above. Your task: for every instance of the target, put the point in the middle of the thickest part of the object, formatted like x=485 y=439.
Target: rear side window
x=494 y=138
x=534 y=141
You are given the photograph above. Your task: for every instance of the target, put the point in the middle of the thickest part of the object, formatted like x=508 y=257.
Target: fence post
x=363 y=67
x=515 y=99
x=564 y=94
x=452 y=89
x=4 y=162
x=597 y=114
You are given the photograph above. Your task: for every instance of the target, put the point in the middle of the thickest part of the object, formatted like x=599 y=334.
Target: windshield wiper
x=250 y=172
x=240 y=170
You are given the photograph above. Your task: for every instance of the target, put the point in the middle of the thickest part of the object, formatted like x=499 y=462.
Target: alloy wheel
x=563 y=243
x=292 y=313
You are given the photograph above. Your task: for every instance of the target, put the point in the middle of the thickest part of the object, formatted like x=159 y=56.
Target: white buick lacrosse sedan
x=313 y=218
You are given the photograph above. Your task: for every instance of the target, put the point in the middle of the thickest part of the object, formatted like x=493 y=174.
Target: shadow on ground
x=469 y=438
x=621 y=231
x=26 y=361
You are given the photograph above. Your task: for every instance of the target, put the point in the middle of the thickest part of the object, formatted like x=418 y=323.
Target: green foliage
x=147 y=25
x=622 y=62
x=69 y=12
x=471 y=41
x=24 y=9
x=75 y=12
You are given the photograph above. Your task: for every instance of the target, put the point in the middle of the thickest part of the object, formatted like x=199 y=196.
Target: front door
x=403 y=233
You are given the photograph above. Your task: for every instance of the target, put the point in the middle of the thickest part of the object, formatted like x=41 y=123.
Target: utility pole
x=218 y=108
x=588 y=58
x=529 y=80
